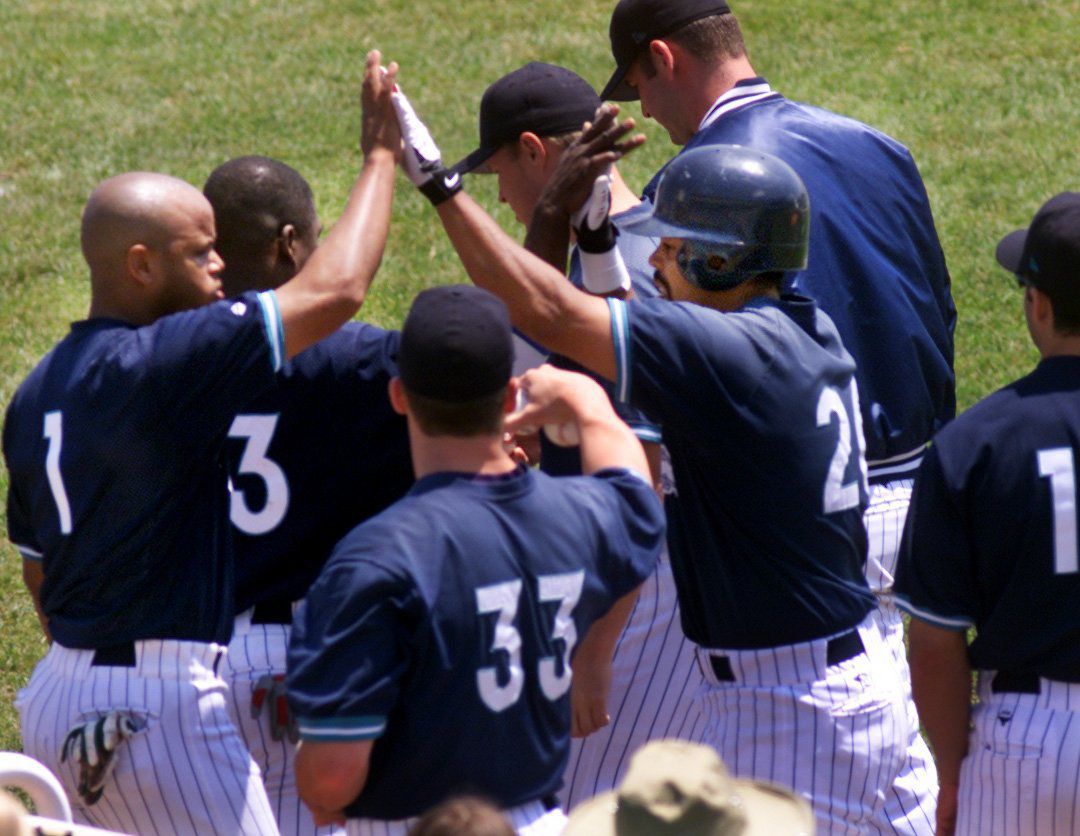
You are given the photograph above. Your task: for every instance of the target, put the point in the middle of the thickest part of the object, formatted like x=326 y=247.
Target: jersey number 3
x=1056 y=464
x=503 y=598
x=257 y=430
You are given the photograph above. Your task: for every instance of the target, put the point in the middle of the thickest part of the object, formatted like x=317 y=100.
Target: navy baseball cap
x=456 y=344
x=1046 y=255
x=542 y=98
x=636 y=22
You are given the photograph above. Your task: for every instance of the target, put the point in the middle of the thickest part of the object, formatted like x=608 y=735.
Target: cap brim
x=1010 y=250
x=475 y=163
x=617 y=90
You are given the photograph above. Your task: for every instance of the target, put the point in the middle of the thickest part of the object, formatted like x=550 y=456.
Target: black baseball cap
x=542 y=98
x=456 y=344
x=1046 y=255
x=636 y=22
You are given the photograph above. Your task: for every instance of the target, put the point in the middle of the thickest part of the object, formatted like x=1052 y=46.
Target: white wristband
x=604 y=272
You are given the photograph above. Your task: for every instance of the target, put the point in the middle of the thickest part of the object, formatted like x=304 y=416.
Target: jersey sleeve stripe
x=954 y=623
x=27 y=552
x=341 y=728
x=275 y=331
x=620 y=335
x=646 y=432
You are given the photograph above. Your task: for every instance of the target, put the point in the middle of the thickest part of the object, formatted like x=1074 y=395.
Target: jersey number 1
x=1056 y=464
x=54 y=434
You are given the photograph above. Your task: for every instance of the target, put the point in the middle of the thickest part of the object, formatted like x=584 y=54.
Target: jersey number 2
x=837 y=496
x=1056 y=464
x=258 y=430
x=504 y=598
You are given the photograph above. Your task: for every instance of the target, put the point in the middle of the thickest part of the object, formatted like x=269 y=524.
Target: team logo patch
x=238 y=308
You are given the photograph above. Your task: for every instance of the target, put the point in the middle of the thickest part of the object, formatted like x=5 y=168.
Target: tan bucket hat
x=675 y=787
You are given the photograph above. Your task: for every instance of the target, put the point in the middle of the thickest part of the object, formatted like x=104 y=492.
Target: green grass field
x=982 y=91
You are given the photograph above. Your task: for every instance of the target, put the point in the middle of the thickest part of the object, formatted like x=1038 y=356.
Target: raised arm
x=332 y=285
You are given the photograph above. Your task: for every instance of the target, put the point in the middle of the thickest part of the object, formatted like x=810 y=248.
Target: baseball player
x=308 y=460
x=991 y=543
x=526 y=119
x=432 y=656
x=759 y=407
x=875 y=267
x=117 y=490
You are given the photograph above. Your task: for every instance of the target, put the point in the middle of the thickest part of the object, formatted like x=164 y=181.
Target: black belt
x=1012 y=682
x=839 y=649
x=275 y=611
x=116 y=655
x=550 y=802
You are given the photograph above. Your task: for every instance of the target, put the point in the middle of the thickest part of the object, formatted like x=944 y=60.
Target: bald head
x=149 y=241
x=139 y=207
x=266 y=220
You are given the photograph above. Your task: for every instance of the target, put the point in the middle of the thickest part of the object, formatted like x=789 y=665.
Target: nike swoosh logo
x=452 y=180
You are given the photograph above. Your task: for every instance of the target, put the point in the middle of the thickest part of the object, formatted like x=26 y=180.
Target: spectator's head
x=464 y=816
x=669 y=53
x=149 y=242
x=1045 y=258
x=267 y=225
x=675 y=787
x=526 y=118
x=454 y=363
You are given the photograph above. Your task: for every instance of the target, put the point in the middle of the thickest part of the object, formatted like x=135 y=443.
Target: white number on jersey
x=54 y=433
x=1057 y=465
x=566 y=589
x=503 y=598
x=258 y=430
x=836 y=495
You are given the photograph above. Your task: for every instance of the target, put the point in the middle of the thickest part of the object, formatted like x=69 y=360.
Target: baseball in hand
x=564 y=434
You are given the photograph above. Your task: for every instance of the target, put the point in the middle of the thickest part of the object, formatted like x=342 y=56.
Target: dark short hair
x=1064 y=304
x=707 y=39
x=460 y=419
x=253 y=198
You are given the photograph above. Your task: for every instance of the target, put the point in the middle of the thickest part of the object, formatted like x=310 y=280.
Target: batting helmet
x=740 y=213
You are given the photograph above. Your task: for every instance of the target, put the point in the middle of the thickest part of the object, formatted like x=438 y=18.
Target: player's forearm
x=542 y=303
x=941 y=685
x=334 y=282
x=548 y=236
x=598 y=646
x=330 y=776
x=34 y=577
x=606 y=440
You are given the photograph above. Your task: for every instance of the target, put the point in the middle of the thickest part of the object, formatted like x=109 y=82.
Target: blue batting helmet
x=740 y=213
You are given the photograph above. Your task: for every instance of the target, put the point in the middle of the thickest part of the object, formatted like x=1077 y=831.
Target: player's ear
x=531 y=148
x=139 y=262
x=397 y=396
x=287 y=242
x=510 y=402
x=663 y=58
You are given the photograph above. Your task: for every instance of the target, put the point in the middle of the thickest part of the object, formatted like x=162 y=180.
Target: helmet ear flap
x=703 y=267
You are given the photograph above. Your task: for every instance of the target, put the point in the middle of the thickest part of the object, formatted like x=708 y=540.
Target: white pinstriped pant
x=654 y=685
x=532 y=819
x=836 y=734
x=185 y=771
x=255 y=651
x=1022 y=771
x=911 y=803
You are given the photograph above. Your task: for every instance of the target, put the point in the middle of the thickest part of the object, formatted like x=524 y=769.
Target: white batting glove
x=422 y=159
x=602 y=267
x=93 y=744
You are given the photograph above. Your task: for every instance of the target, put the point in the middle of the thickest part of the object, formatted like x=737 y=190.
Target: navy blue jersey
x=991 y=535
x=312 y=458
x=115 y=446
x=875 y=264
x=760 y=418
x=444 y=627
x=635 y=250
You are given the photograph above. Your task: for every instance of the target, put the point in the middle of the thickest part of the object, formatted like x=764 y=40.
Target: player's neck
x=714 y=83
x=441 y=454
